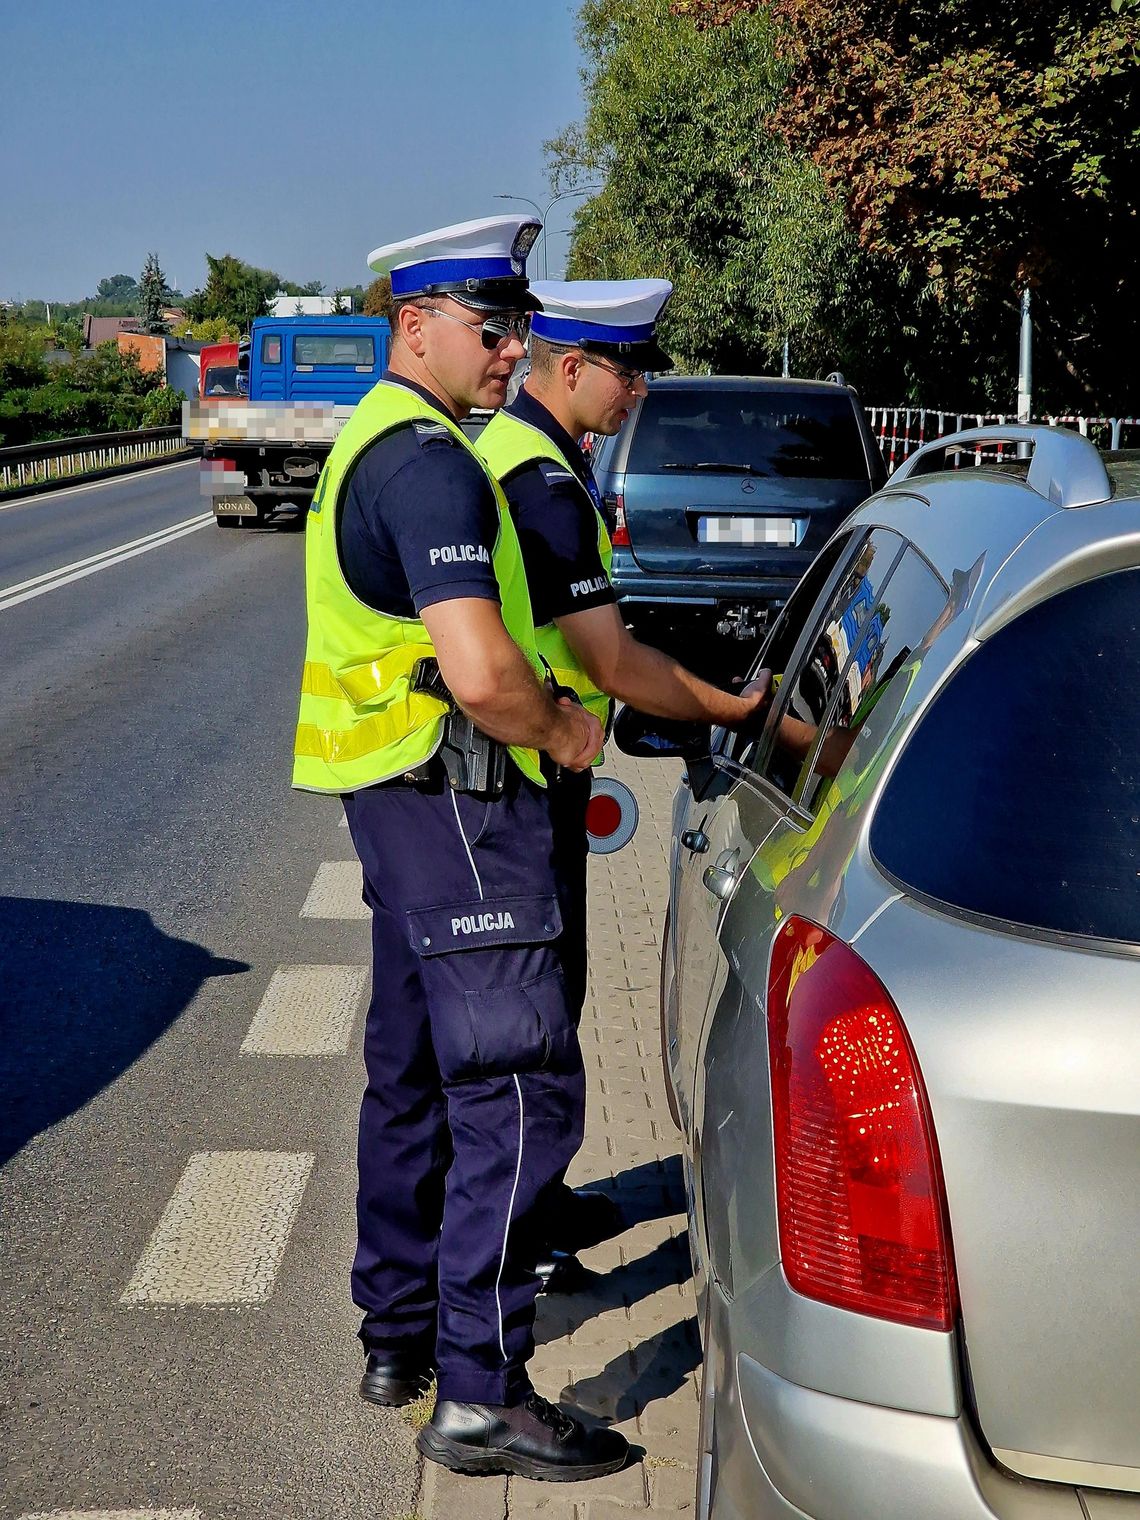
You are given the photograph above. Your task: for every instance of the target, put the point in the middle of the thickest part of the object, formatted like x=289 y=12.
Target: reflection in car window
x=886 y=644
x=806 y=436
x=806 y=690
x=1016 y=797
x=271 y=348
x=338 y=348
x=776 y=649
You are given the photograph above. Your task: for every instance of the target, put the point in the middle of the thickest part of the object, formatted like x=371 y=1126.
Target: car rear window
x=802 y=436
x=340 y=348
x=1018 y=797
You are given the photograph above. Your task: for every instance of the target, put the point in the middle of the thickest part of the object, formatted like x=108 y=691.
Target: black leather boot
x=534 y=1439
x=398 y=1377
x=560 y=1273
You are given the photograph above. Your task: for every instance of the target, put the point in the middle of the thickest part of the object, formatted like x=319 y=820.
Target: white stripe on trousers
x=507 y=1231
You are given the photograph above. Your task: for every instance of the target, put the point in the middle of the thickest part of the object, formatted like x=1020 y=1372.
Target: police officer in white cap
x=591 y=345
x=423 y=707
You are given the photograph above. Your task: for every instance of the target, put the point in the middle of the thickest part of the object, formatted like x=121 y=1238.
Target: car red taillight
x=859 y=1188
x=620 y=534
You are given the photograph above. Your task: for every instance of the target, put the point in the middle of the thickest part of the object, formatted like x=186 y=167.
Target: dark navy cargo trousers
x=475 y=1094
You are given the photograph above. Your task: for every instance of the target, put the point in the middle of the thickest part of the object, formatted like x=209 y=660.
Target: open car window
x=809 y=673
x=889 y=644
x=776 y=649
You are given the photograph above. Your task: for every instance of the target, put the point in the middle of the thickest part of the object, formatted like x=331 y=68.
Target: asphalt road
x=152 y=875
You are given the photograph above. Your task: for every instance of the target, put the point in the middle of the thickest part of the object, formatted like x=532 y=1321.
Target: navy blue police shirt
x=419 y=522
x=557 y=523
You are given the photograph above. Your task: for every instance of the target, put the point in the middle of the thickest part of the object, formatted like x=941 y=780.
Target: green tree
x=699 y=188
x=69 y=335
x=978 y=149
x=102 y=392
x=376 y=300
x=235 y=291
x=154 y=294
x=118 y=288
x=209 y=330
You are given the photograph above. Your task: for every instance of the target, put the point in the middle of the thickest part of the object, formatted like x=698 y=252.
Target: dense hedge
x=104 y=392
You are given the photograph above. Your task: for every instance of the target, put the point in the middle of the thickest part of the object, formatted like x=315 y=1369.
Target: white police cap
x=481 y=263
x=608 y=316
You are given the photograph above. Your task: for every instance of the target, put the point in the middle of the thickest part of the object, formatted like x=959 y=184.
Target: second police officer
x=590 y=346
x=423 y=706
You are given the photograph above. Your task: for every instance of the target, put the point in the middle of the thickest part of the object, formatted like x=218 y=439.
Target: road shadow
x=653 y=1190
x=634 y=1379
x=562 y=1314
x=85 y=989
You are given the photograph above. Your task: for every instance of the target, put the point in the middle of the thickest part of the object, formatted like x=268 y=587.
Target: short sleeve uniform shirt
x=419 y=522
x=556 y=515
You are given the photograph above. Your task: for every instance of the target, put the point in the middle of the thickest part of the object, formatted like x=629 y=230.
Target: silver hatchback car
x=901 y=1010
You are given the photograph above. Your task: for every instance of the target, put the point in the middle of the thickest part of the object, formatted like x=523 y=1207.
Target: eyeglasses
x=630 y=378
x=494 y=330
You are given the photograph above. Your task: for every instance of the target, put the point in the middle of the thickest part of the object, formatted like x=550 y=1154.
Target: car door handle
x=721 y=877
x=696 y=840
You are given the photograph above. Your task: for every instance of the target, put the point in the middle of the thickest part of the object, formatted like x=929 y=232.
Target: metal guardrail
x=899 y=430
x=32 y=463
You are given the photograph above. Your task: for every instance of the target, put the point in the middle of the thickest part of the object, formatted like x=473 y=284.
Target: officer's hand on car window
x=758 y=695
x=578 y=738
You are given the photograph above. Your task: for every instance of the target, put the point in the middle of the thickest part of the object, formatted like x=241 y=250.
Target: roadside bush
x=104 y=392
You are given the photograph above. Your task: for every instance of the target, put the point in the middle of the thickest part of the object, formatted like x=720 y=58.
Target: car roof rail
x=1064 y=467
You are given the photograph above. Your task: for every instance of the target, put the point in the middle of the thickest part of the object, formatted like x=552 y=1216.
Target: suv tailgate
x=729 y=481
x=684 y=524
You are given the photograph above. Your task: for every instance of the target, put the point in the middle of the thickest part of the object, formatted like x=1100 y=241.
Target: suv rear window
x=1018 y=797
x=763 y=433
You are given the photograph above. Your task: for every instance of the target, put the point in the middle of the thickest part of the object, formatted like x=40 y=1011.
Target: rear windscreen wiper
x=716 y=467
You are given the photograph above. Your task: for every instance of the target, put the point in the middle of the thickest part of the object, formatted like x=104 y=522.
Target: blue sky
x=297 y=136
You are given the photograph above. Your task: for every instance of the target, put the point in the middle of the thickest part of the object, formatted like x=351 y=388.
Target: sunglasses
x=494 y=330
x=628 y=377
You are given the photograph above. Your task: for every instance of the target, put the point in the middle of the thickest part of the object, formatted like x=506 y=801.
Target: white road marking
x=307 y=1011
x=335 y=892
x=51 y=580
x=116 y=1514
x=94 y=485
x=222 y=1235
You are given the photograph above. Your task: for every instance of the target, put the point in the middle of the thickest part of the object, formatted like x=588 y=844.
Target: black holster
x=472 y=760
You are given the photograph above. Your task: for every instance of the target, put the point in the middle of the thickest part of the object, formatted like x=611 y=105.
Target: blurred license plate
x=748 y=530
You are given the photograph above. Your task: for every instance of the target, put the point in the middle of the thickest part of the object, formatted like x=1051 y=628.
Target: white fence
x=34 y=463
x=899 y=430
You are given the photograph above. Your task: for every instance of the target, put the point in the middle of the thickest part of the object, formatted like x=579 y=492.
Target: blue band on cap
x=570 y=330
x=413 y=277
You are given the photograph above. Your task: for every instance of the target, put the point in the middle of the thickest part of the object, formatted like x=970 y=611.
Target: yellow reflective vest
x=508 y=444
x=360 y=721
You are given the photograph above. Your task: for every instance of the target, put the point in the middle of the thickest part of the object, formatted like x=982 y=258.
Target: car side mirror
x=647 y=738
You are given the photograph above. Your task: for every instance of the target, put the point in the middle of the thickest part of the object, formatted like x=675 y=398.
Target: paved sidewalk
x=627 y=1351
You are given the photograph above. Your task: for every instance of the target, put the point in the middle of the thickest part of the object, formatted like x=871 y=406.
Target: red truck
x=218 y=371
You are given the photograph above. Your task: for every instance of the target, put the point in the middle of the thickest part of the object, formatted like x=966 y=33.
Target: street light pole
x=1025 y=362
x=582 y=190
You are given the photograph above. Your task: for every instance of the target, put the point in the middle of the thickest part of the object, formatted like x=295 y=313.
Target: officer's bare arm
x=488 y=675
x=646 y=678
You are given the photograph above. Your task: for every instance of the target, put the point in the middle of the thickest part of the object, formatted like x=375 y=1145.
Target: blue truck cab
x=330 y=359
x=298 y=380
